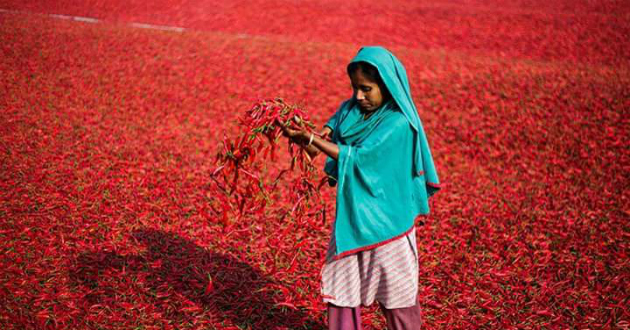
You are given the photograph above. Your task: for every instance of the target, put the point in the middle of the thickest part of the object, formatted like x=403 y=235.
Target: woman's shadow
x=222 y=285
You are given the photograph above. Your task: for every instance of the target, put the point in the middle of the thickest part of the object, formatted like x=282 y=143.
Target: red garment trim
x=420 y=173
x=325 y=296
x=434 y=185
x=369 y=247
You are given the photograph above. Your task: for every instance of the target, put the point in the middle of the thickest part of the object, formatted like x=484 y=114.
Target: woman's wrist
x=329 y=148
x=303 y=138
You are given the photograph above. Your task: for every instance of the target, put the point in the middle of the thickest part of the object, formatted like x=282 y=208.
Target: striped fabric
x=387 y=274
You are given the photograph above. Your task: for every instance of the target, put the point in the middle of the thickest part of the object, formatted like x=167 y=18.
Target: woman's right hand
x=295 y=134
x=302 y=138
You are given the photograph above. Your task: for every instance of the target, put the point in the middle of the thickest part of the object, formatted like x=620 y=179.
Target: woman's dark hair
x=371 y=73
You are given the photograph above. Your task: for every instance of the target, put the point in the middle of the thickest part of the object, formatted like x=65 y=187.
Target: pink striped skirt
x=387 y=274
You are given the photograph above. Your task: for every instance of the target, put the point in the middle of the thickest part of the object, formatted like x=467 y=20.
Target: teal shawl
x=384 y=172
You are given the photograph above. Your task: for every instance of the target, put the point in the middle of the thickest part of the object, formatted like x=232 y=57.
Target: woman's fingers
x=289 y=131
x=285 y=130
x=325 y=132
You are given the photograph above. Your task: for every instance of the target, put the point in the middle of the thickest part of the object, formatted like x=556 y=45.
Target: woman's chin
x=366 y=108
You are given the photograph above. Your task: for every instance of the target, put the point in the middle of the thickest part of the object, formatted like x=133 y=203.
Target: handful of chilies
x=259 y=140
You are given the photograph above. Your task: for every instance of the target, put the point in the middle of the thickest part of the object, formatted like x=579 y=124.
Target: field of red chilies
x=111 y=216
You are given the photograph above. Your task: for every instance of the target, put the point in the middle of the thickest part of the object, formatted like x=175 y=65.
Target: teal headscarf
x=384 y=172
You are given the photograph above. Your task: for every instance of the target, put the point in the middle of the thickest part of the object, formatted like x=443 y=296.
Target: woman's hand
x=296 y=135
x=312 y=146
x=326 y=131
x=302 y=138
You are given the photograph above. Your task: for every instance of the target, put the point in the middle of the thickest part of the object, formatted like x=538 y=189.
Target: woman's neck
x=368 y=114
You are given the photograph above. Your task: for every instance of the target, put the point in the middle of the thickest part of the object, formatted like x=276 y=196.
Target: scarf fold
x=384 y=172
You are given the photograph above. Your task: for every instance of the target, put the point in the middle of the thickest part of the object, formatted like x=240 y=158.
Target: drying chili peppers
x=110 y=217
x=240 y=160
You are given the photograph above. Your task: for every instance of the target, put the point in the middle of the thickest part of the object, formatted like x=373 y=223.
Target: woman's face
x=366 y=91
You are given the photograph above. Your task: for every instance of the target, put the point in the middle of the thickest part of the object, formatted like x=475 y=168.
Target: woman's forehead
x=358 y=77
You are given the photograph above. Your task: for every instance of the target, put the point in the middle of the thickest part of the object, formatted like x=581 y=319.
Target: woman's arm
x=318 y=144
x=312 y=150
x=327 y=147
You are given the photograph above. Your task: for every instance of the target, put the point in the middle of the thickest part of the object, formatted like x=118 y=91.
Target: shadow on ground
x=173 y=266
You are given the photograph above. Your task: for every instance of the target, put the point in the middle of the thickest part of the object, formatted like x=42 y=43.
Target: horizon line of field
x=96 y=20
x=147 y=26
x=179 y=29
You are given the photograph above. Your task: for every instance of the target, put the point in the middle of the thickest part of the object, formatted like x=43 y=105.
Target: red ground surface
x=108 y=135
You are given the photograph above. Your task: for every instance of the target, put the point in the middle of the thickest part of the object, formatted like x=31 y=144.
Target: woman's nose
x=360 y=95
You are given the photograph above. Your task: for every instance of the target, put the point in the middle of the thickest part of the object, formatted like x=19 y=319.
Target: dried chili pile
x=241 y=161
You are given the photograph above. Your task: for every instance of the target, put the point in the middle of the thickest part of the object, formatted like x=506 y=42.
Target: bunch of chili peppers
x=239 y=163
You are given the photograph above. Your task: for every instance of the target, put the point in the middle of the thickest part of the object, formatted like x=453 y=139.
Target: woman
x=379 y=158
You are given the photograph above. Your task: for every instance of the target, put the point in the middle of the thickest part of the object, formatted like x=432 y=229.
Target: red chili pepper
x=246 y=152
